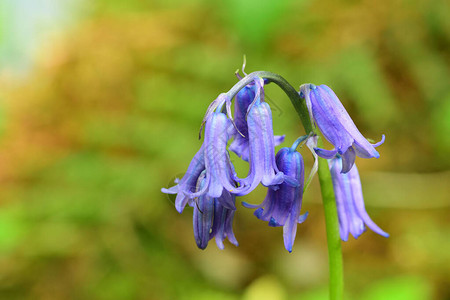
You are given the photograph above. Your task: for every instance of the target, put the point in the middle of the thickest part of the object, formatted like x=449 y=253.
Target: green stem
x=335 y=263
x=336 y=282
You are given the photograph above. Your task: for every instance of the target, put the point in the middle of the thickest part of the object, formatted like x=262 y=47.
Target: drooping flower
x=282 y=206
x=350 y=203
x=263 y=168
x=212 y=157
x=243 y=100
x=213 y=217
x=186 y=187
x=220 y=172
x=336 y=125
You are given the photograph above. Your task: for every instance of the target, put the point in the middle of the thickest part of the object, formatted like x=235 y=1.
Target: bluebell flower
x=212 y=157
x=336 y=125
x=263 y=168
x=213 y=217
x=220 y=173
x=350 y=203
x=243 y=100
x=282 y=206
x=186 y=187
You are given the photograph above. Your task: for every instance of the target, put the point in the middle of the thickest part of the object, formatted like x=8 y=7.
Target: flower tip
x=258 y=213
x=345 y=170
x=302 y=218
x=382 y=233
x=171 y=190
x=220 y=244
x=383 y=138
x=201 y=246
x=248 y=205
x=273 y=222
x=288 y=243
x=344 y=236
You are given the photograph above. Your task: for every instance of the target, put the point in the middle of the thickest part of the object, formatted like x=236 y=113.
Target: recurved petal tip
x=376 y=229
x=171 y=190
x=248 y=205
x=278 y=139
x=327 y=154
x=380 y=142
x=302 y=218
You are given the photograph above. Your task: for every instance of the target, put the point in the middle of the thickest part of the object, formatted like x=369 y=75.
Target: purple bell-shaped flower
x=350 y=203
x=336 y=125
x=283 y=203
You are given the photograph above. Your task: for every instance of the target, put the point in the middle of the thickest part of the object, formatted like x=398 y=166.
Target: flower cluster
x=211 y=183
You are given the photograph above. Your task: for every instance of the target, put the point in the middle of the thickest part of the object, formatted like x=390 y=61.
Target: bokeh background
x=100 y=106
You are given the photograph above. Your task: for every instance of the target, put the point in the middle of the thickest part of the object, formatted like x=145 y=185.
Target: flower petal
x=349 y=201
x=203 y=217
x=278 y=139
x=380 y=142
x=327 y=154
x=348 y=160
x=223 y=224
x=359 y=202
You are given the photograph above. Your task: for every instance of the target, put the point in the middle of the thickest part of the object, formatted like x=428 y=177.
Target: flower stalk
x=336 y=267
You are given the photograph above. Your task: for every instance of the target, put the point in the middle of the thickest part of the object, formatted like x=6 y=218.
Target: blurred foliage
x=110 y=114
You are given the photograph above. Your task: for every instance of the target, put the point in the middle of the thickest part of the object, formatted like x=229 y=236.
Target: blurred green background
x=100 y=106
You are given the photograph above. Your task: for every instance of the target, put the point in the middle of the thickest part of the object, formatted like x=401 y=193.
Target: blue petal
x=350 y=203
x=327 y=154
x=302 y=218
x=380 y=142
x=227 y=200
x=248 y=205
x=188 y=183
x=180 y=202
x=223 y=224
x=278 y=139
x=273 y=222
x=348 y=160
x=203 y=217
